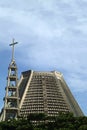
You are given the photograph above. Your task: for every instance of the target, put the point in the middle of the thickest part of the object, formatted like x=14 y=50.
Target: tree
x=83 y=127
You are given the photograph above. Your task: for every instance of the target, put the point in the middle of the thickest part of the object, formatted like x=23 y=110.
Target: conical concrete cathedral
x=45 y=92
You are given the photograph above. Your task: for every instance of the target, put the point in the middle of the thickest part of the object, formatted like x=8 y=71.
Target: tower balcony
x=12 y=97
x=12 y=77
x=12 y=88
x=13 y=68
x=11 y=108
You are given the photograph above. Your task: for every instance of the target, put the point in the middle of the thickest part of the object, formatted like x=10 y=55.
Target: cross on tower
x=13 y=43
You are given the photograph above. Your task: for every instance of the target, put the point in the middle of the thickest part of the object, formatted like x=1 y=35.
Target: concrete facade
x=46 y=92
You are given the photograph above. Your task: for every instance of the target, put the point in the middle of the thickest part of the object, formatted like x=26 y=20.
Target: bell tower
x=11 y=100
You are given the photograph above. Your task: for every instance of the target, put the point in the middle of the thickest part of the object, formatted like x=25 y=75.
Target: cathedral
x=36 y=92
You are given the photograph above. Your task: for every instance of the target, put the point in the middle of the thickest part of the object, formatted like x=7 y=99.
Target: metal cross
x=12 y=44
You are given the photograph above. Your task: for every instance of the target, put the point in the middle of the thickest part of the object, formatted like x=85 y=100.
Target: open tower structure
x=11 y=100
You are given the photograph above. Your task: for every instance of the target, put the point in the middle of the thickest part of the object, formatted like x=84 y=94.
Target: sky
x=51 y=35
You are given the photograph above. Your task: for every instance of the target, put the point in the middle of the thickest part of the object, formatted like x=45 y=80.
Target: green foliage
x=83 y=127
x=36 y=116
x=60 y=122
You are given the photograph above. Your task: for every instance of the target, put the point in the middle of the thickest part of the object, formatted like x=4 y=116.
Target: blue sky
x=52 y=35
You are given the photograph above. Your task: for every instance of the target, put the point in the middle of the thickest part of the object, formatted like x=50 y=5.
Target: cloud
x=44 y=19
